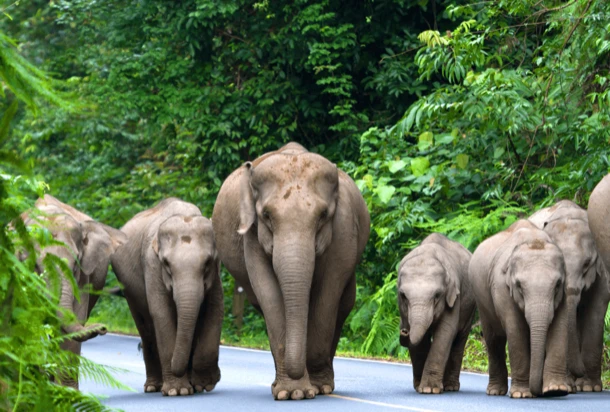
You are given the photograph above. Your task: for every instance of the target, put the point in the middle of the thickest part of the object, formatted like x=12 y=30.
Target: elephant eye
x=586 y=263
x=403 y=296
x=518 y=284
x=266 y=214
x=324 y=214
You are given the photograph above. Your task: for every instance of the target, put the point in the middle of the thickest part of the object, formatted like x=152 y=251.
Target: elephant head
x=534 y=270
x=185 y=253
x=428 y=282
x=290 y=199
x=569 y=229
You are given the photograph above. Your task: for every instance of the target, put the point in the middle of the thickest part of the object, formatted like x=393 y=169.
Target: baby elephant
x=170 y=271
x=517 y=277
x=436 y=310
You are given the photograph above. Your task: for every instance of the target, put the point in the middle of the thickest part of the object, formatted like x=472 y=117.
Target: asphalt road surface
x=360 y=386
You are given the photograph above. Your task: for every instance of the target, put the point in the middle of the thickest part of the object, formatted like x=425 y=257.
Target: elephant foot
x=152 y=385
x=589 y=385
x=176 y=386
x=497 y=389
x=556 y=386
x=451 y=386
x=323 y=381
x=520 y=392
x=205 y=380
x=430 y=386
x=286 y=388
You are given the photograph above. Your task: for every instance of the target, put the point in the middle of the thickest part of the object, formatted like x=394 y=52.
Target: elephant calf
x=170 y=270
x=436 y=311
x=517 y=277
x=586 y=290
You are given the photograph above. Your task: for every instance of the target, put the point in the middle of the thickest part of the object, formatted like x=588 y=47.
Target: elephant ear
x=165 y=276
x=99 y=243
x=452 y=278
x=511 y=282
x=247 y=210
x=596 y=269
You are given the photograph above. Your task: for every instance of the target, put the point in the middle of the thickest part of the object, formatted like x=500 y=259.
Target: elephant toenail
x=172 y=392
x=297 y=394
x=282 y=396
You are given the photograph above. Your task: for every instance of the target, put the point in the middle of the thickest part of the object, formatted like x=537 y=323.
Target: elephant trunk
x=293 y=262
x=576 y=365
x=539 y=318
x=420 y=319
x=188 y=298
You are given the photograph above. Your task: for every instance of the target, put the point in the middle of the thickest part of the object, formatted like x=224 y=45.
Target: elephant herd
x=290 y=227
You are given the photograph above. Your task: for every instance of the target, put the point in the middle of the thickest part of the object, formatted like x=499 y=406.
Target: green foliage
x=31 y=362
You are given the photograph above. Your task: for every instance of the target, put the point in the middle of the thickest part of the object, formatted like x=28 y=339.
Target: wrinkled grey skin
x=88 y=247
x=170 y=272
x=586 y=290
x=291 y=228
x=517 y=277
x=436 y=311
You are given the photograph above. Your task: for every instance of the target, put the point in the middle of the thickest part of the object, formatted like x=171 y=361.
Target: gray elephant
x=517 y=277
x=170 y=271
x=436 y=311
x=87 y=248
x=586 y=289
x=291 y=228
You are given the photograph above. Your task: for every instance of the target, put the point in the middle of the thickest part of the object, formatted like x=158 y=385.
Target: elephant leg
x=418 y=355
x=591 y=328
x=144 y=324
x=269 y=296
x=451 y=379
x=71 y=380
x=205 y=372
x=517 y=334
x=555 y=381
x=345 y=307
x=329 y=307
x=496 y=352
x=163 y=314
x=443 y=337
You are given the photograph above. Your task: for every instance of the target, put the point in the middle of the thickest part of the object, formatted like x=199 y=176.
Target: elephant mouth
x=404 y=333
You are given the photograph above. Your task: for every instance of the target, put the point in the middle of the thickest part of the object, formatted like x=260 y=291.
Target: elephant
x=169 y=268
x=586 y=290
x=87 y=248
x=517 y=277
x=436 y=311
x=291 y=228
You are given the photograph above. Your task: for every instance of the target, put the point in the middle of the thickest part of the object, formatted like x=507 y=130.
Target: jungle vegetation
x=452 y=116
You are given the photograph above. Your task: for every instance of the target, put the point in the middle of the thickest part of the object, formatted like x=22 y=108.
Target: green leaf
x=426 y=139
x=420 y=165
x=385 y=192
x=396 y=165
x=444 y=138
x=498 y=152
x=462 y=160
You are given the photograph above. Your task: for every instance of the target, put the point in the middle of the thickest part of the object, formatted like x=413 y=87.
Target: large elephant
x=87 y=248
x=291 y=228
x=517 y=277
x=170 y=271
x=436 y=311
x=586 y=289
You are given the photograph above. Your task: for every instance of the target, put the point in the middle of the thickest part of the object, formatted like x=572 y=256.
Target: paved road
x=360 y=386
